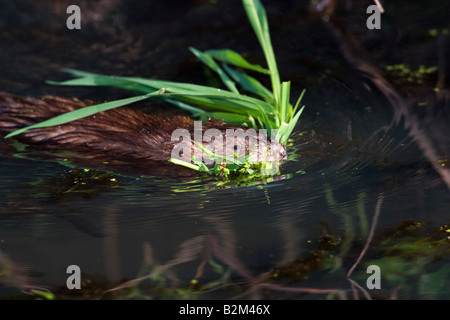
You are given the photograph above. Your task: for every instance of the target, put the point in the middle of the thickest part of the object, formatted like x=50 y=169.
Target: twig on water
x=371 y=234
x=366 y=247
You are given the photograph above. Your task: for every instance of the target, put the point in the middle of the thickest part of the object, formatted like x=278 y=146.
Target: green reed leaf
x=233 y=58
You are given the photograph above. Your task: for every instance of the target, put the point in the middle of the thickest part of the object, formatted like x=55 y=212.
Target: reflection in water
x=110 y=244
x=364 y=250
x=202 y=247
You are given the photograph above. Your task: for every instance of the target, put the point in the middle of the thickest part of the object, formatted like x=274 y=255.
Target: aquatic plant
x=263 y=109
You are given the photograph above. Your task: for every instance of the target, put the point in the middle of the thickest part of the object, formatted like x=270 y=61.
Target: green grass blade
x=101 y=80
x=250 y=84
x=298 y=101
x=258 y=19
x=187 y=95
x=267 y=124
x=184 y=163
x=84 y=112
x=233 y=58
x=147 y=85
x=216 y=157
x=282 y=129
x=187 y=89
x=209 y=61
x=284 y=102
x=204 y=96
x=237 y=104
x=252 y=123
x=291 y=126
x=211 y=98
x=187 y=107
x=230 y=118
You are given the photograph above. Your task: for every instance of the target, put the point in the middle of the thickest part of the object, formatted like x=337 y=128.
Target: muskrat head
x=238 y=143
x=234 y=142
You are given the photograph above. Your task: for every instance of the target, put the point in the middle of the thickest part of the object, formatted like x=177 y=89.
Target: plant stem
x=258 y=19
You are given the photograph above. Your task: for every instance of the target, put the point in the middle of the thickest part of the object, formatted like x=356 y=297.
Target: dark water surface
x=367 y=181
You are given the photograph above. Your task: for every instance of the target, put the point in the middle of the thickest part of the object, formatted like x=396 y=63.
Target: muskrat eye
x=236 y=148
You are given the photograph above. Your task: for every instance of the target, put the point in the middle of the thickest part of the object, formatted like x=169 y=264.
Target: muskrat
x=121 y=134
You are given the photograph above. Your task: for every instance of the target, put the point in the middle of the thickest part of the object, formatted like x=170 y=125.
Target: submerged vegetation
x=263 y=109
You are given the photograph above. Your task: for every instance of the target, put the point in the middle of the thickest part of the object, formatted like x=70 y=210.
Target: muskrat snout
x=276 y=152
x=260 y=149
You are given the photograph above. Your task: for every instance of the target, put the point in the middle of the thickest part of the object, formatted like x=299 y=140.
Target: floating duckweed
x=435 y=32
x=410 y=75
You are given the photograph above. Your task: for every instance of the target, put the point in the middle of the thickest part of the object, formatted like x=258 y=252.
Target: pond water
x=366 y=183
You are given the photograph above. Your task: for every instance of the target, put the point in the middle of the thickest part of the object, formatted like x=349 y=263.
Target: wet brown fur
x=117 y=133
